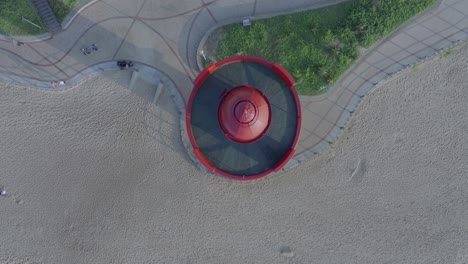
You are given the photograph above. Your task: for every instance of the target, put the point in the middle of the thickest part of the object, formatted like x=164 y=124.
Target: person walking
x=85 y=51
x=122 y=64
x=17 y=43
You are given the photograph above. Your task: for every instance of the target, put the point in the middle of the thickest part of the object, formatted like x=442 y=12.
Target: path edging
x=28 y=39
x=75 y=12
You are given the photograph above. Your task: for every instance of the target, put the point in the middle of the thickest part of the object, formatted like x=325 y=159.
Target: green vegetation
x=11 y=14
x=446 y=53
x=61 y=8
x=318 y=46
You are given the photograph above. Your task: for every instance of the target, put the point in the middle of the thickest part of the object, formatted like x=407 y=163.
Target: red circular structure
x=243 y=117
x=244 y=114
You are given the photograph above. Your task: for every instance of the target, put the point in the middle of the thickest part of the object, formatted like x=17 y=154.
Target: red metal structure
x=244 y=114
x=243 y=117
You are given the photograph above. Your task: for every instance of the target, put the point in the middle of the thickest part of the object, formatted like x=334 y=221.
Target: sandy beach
x=98 y=174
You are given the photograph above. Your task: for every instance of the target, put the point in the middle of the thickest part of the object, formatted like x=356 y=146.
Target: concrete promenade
x=164 y=35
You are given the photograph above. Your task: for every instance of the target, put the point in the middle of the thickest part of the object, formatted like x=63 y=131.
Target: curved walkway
x=165 y=35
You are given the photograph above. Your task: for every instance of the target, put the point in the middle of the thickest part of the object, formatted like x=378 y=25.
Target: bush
x=318 y=46
x=61 y=8
x=371 y=20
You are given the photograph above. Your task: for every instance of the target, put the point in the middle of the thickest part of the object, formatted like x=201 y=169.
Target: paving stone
x=396 y=67
x=335 y=94
x=323 y=129
x=321 y=108
x=344 y=99
x=375 y=57
x=361 y=68
x=378 y=77
x=450 y=2
x=305 y=101
x=449 y=32
x=419 y=32
x=459 y=36
x=333 y=135
x=355 y=84
x=462 y=7
x=7 y=78
x=463 y=24
x=291 y=164
x=435 y=24
x=384 y=64
x=300 y=158
x=349 y=78
x=403 y=54
x=427 y=52
x=300 y=148
x=310 y=141
x=309 y=154
x=77 y=79
x=403 y=40
x=388 y=48
x=353 y=103
x=433 y=39
x=416 y=48
x=364 y=89
x=321 y=147
x=16 y=79
x=334 y=113
x=451 y=16
x=343 y=120
x=220 y=12
x=310 y=120
x=369 y=73
x=442 y=44
x=409 y=60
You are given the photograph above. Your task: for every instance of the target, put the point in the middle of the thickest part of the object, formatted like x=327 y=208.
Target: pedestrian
x=94 y=47
x=85 y=51
x=17 y=43
x=122 y=64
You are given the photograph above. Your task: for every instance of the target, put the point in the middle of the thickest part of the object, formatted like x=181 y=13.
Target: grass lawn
x=11 y=13
x=318 y=46
x=61 y=8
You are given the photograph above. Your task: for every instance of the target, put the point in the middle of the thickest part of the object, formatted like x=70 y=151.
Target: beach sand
x=97 y=174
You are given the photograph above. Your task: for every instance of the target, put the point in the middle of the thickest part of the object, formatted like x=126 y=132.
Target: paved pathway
x=164 y=35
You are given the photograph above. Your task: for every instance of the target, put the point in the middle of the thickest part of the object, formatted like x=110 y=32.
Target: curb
x=75 y=12
x=27 y=39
